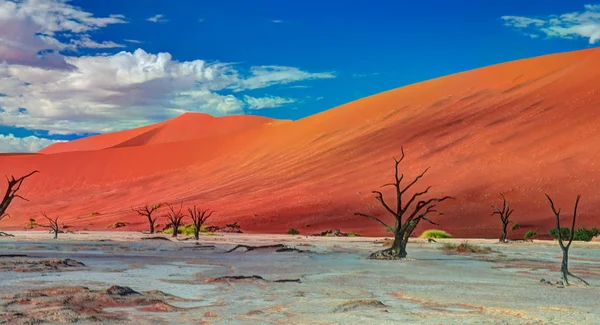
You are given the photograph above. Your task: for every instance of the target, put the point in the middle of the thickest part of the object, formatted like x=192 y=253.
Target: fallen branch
x=279 y=248
x=250 y=277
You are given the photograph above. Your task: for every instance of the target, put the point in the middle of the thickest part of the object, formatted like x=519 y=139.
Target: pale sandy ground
x=432 y=287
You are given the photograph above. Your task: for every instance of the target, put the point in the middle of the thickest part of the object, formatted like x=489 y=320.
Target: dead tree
x=147 y=211
x=175 y=218
x=564 y=267
x=53 y=225
x=14 y=185
x=504 y=215
x=199 y=217
x=405 y=220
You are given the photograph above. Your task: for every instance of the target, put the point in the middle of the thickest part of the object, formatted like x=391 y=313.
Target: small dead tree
x=53 y=225
x=199 y=217
x=147 y=211
x=14 y=185
x=564 y=267
x=175 y=218
x=504 y=214
x=404 y=227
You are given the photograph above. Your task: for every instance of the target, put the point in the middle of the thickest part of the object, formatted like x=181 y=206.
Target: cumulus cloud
x=580 y=24
x=10 y=143
x=157 y=19
x=267 y=102
x=44 y=88
x=126 y=90
x=30 y=31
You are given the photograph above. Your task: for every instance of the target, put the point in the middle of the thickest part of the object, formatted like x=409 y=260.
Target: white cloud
x=157 y=19
x=86 y=42
x=104 y=92
x=362 y=75
x=10 y=143
x=264 y=76
x=33 y=26
x=125 y=90
x=133 y=41
x=581 y=24
x=277 y=21
x=201 y=20
x=267 y=102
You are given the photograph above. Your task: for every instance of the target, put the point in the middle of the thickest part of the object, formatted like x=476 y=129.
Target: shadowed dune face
x=523 y=128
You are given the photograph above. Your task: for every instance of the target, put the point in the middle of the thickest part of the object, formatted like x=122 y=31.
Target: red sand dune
x=525 y=128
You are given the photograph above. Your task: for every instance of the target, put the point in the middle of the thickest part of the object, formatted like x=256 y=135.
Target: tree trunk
x=564 y=266
x=397 y=251
x=504 y=232
x=55 y=234
x=151 y=225
x=197 y=233
x=175 y=230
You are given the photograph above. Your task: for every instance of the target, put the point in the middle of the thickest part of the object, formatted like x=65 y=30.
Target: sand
x=177 y=281
x=523 y=128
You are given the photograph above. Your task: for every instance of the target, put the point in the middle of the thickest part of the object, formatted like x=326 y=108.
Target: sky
x=71 y=69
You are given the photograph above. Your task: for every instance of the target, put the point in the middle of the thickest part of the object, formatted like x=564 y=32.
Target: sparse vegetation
x=515 y=227
x=435 y=233
x=466 y=248
x=353 y=234
x=403 y=228
x=147 y=211
x=564 y=268
x=530 y=234
x=504 y=215
x=32 y=224
x=581 y=234
x=186 y=229
x=13 y=187
x=116 y=225
x=293 y=231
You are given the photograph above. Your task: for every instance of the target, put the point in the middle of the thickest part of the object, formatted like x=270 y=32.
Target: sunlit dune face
x=523 y=128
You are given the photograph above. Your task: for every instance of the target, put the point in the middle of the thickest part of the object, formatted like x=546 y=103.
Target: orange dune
x=523 y=128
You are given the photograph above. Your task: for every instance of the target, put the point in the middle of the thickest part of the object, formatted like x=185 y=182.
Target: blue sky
x=86 y=67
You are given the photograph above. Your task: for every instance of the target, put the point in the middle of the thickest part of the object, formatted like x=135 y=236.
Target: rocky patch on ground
x=79 y=304
x=24 y=264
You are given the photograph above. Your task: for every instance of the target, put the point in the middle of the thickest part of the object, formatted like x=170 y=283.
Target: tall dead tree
x=14 y=185
x=199 y=217
x=175 y=218
x=504 y=215
x=564 y=267
x=147 y=211
x=53 y=225
x=405 y=220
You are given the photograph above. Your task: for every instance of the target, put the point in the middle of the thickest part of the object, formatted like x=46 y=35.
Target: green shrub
x=293 y=231
x=187 y=230
x=435 y=233
x=564 y=233
x=353 y=234
x=581 y=234
x=530 y=234
x=515 y=226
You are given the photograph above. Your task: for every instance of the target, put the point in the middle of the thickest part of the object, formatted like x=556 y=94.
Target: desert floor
x=176 y=282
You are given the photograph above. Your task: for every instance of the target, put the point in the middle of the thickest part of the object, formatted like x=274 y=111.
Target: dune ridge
x=524 y=128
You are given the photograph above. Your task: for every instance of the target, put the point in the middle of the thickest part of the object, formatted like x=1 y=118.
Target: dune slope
x=523 y=128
